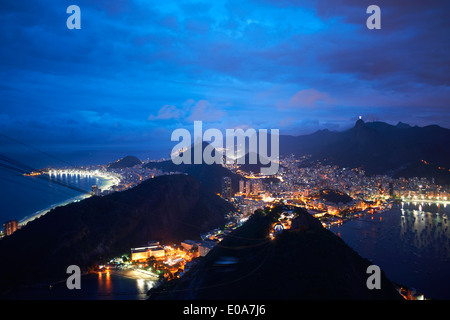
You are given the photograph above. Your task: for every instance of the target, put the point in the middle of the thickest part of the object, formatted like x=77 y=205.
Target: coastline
x=22 y=222
x=106 y=184
x=135 y=274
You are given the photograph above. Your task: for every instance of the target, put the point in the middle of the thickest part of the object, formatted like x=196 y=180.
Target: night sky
x=139 y=69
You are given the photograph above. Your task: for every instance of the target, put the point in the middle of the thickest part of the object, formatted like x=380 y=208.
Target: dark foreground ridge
x=304 y=262
x=168 y=208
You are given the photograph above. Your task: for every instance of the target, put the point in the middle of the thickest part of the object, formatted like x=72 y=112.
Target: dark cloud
x=134 y=64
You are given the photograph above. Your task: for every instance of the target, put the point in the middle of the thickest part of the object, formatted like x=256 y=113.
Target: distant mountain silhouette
x=377 y=147
x=441 y=175
x=210 y=175
x=247 y=166
x=126 y=162
x=168 y=208
x=304 y=262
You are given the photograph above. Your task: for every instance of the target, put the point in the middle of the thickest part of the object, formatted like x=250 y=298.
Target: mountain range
x=378 y=148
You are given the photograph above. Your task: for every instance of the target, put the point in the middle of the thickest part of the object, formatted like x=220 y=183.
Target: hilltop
x=335 y=196
x=126 y=162
x=304 y=262
x=210 y=175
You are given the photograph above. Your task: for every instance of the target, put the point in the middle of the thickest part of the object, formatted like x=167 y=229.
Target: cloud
x=168 y=112
x=307 y=98
x=204 y=110
x=189 y=111
x=134 y=63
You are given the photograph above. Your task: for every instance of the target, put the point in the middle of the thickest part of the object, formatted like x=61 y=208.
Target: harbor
x=410 y=243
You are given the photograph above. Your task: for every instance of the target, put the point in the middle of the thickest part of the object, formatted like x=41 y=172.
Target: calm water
x=410 y=243
x=102 y=286
x=23 y=196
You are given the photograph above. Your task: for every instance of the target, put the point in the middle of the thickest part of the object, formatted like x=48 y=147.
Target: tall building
x=95 y=191
x=248 y=187
x=241 y=186
x=260 y=184
x=205 y=247
x=10 y=227
x=244 y=208
x=227 y=191
x=257 y=186
x=391 y=189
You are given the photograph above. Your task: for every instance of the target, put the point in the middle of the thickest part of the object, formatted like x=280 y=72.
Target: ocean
x=113 y=285
x=23 y=196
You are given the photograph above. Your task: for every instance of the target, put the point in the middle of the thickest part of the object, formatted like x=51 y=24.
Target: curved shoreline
x=40 y=213
x=106 y=184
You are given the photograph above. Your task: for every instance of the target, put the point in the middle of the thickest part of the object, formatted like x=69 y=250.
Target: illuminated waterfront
x=79 y=174
x=44 y=193
x=71 y=177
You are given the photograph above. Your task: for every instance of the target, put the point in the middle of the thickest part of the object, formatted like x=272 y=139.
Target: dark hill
x=334 y=196
x=248 y=167
x=425 y=169
x=377 y=147
x=210 y=175
x=126 y=162
x=305 y=262
x=166 y=208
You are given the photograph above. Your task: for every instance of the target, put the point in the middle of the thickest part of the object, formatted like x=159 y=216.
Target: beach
x=105 y=184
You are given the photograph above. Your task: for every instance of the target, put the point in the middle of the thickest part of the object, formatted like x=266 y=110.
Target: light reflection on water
x=101 y=286
x=426 y=230
x=120 y=286
x=411 y=244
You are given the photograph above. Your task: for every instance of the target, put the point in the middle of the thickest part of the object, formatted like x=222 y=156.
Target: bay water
x=410 y=243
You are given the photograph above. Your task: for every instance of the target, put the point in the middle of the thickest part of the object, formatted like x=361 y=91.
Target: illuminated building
x=157 y=252
x=205 y=247
x=10 y=227
x=241 y=186
x=391 y=189
x=248 y=187
x=95 y=191
x=139 y=253
x=257 y=186
x=244 y=208
x=227 y=191
x=190 y=244
x=143 y=253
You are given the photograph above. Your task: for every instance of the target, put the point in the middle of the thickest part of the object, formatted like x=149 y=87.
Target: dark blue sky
x=139 y=69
